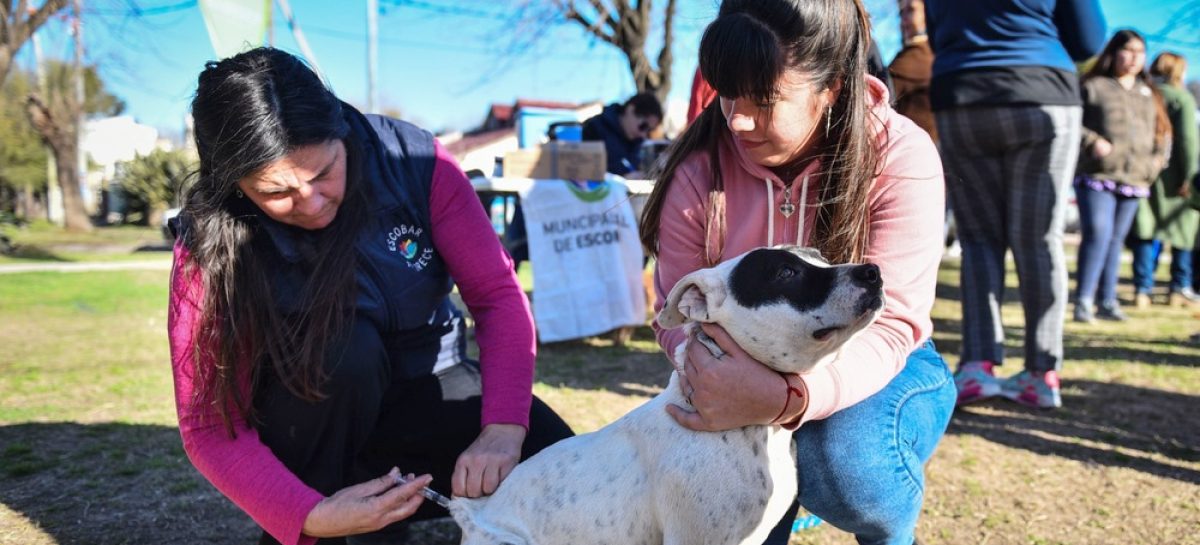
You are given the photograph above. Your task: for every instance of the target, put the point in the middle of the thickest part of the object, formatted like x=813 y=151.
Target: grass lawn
x=89 y=452
x=41 y=242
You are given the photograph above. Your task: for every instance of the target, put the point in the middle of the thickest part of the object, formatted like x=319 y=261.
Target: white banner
x=586 y=258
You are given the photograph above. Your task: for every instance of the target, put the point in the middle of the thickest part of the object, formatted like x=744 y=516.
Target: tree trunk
x=29 y=206
x=74 y=214
x=644 y=77
x=58 y=128
x=627 y=27
x=5 y=61
x=154 y=215
x=8 y=199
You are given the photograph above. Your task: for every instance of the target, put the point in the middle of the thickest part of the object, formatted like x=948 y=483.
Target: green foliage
x=22 y=155
x=97 y=100
x=155 y=180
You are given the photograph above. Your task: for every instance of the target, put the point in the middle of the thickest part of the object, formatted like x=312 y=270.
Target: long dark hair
x=1106 y=62
x=249 y=111
x=743 y=54
x=1106 y=66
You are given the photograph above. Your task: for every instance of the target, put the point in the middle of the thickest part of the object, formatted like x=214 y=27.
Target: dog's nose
x=866 y=276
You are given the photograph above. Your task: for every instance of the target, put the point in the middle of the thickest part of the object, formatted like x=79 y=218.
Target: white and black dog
x=645 y=479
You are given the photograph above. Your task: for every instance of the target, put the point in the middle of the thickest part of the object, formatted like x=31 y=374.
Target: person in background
x=1166 y=216
x=912 y=68
x=313 y=345
x=1193 y=88
x=877 y=68
x=623 y=128
x=1006 y=100
x=1126 y=137
x=803 y=148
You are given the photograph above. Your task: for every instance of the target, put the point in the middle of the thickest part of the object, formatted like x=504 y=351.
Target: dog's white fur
x=644 y=479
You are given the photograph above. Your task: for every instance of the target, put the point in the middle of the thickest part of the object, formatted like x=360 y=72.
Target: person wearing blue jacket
x=1006 y=98
x=623 y=128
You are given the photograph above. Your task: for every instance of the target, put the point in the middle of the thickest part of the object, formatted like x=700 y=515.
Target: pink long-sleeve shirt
x=906 y=208
x=246 y=471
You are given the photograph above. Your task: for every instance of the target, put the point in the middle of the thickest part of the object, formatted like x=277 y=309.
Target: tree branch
x=665 y=56
x=21 y=27
x=13 y=36
x=605 y=13
x=39 y=17
x=3 y=21
x=595 y=28
x=42 y=119
x=644 y=8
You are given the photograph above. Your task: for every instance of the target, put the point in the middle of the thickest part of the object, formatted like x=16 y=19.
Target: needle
x=427 y=492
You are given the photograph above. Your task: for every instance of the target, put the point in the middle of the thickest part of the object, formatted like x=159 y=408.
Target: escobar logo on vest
x=405 y=239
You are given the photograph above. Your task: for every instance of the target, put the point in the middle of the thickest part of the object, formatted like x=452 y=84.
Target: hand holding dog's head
x=786 y=306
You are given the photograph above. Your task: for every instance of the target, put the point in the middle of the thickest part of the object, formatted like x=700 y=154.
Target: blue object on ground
x=805 y=521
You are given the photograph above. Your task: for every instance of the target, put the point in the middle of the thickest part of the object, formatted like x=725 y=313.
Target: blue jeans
x=1105 y=219
x=1145 y=261
x=863 y=469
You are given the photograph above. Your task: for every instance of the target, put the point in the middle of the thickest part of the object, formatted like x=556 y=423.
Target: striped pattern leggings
x=1008 y=174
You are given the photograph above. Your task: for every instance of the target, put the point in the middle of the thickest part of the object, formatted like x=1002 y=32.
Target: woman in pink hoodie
x=802 y=148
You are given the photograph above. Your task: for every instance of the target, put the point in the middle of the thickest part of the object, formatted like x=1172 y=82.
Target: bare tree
x=624 y=24
x=56 y=114
x=59 y=130
x=56 y=111
x=17 y=25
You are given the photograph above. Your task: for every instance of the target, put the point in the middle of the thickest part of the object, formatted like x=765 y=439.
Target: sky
x=442 y=63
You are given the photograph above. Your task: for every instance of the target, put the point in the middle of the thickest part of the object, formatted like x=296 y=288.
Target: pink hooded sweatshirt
x=245 y=469
x=906 y=207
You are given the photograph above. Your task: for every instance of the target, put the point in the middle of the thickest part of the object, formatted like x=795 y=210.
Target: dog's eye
x=784 y=273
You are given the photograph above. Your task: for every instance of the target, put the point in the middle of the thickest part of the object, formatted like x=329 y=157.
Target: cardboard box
x=557 y=160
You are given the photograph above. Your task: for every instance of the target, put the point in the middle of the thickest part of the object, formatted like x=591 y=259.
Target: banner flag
x=235 y=25
x=586 y=258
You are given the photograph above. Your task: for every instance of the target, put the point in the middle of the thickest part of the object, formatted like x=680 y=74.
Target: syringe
x=427 y=492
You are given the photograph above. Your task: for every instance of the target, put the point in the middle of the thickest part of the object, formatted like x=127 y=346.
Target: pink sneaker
x=1031 y=390
x=975 y=381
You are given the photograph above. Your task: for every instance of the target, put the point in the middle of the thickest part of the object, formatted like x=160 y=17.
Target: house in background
x=108 y=142
x=498 y=134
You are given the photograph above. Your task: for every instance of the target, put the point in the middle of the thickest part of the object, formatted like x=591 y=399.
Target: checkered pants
x=1008 y=173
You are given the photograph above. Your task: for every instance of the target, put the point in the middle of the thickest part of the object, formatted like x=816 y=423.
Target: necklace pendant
x=787 y=209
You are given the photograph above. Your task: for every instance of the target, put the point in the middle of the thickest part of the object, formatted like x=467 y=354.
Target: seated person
x=623 y=128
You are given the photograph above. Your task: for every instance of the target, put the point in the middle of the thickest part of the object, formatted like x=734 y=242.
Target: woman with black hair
x=623 y=128
x=801 y=147
x=313 y=345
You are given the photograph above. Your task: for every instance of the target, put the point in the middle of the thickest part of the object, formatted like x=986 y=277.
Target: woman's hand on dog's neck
x=728 y=390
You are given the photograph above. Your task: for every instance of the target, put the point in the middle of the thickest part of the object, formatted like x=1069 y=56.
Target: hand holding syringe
x=427 y=492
